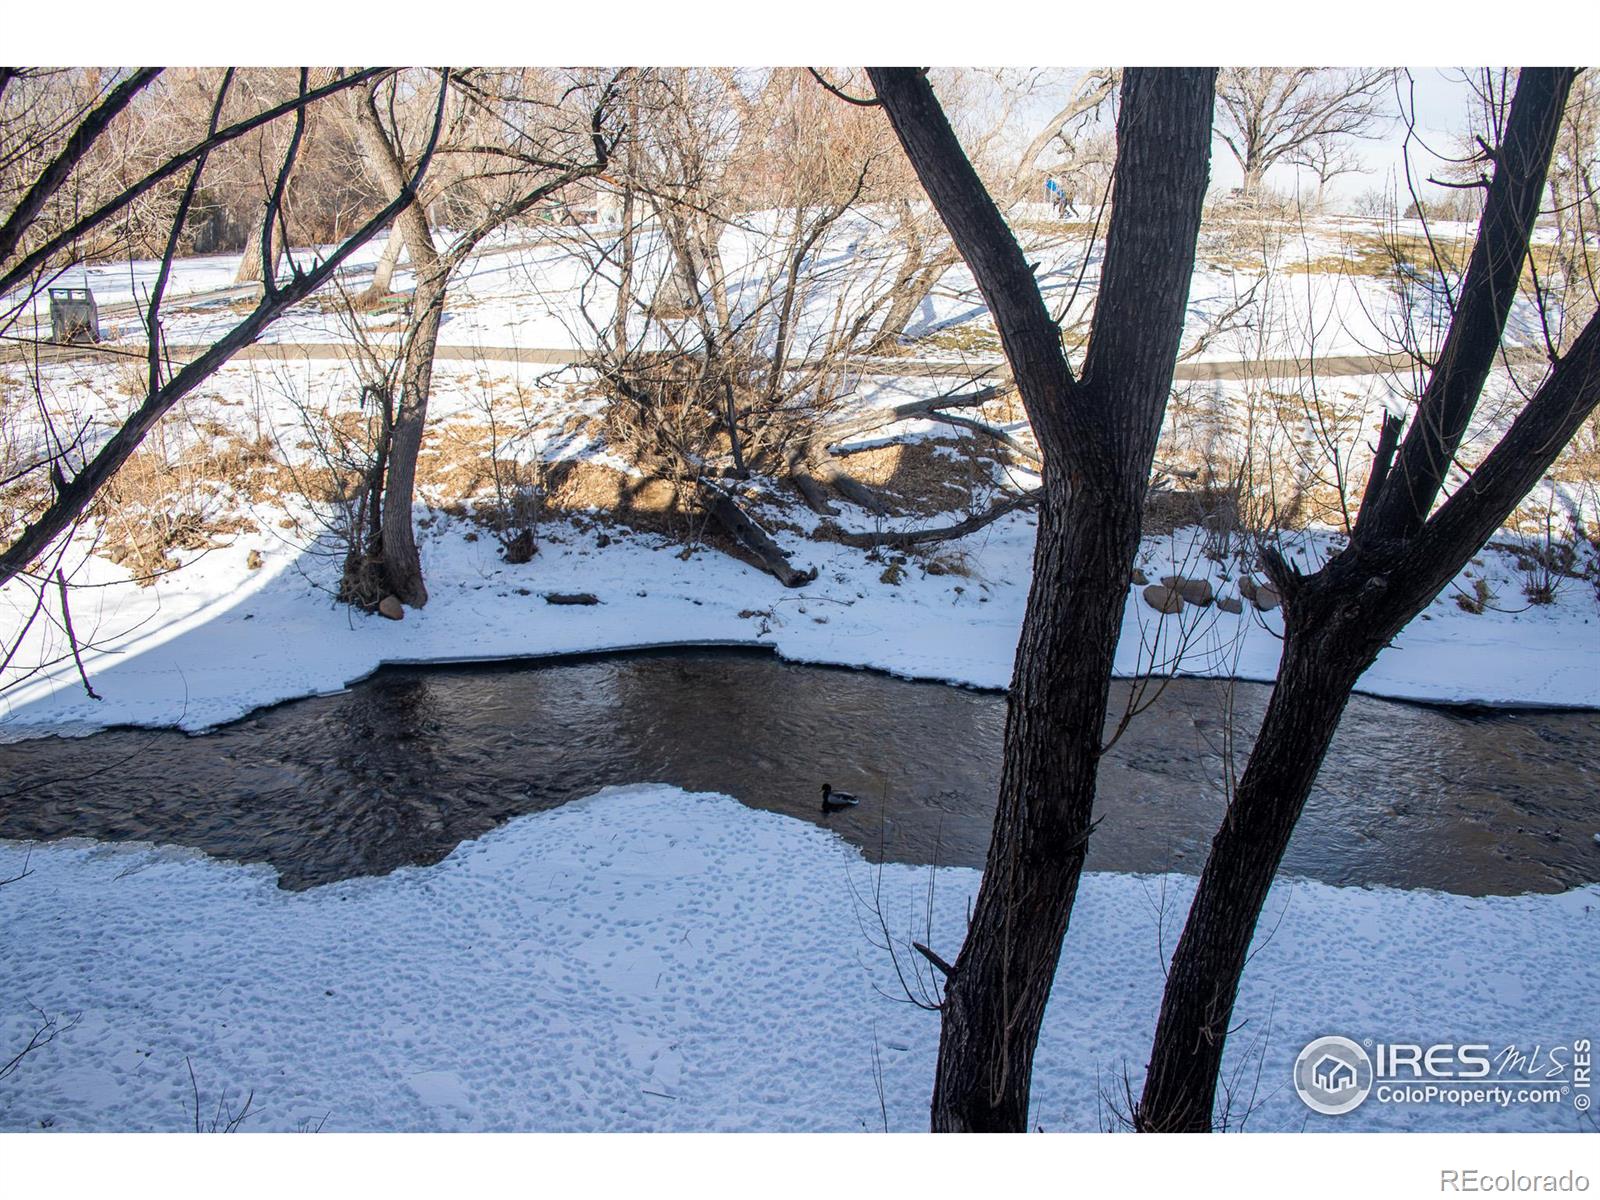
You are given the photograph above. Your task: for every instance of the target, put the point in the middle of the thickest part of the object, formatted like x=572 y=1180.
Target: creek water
x=405 y=765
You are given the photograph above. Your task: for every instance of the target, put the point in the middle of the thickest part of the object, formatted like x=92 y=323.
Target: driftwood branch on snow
x=904 y=539
x=731 y=516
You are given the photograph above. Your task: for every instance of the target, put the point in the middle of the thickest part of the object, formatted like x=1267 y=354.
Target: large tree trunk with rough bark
x=1339 y=618
x=995 y=999
x=250 y=261
x=1098 y=439
x=1319 y=668
x=401 y=562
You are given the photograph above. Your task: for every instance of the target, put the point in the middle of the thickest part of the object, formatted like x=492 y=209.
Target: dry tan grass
x=159 y=503
x=917 y=478
x=579 y=486
x=969 y=337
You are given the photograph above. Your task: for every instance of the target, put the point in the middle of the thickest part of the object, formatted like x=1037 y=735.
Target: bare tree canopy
x=1270 y=114
x=75 y=483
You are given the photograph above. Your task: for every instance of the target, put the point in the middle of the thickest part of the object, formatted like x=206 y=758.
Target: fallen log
x=731 y=516
x=907 y=538
x=847 y=485
x=812 y=491
x=881 y=417
x=1021 y=449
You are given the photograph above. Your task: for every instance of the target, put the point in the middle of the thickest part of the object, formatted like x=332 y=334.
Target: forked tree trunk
x=1338 y=619
x=402 y=564
x=1337 y=623
x=1098 y=438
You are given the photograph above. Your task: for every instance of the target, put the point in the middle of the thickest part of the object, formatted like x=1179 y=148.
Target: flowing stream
x=404 y=766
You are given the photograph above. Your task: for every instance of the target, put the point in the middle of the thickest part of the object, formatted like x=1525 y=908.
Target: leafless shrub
x=224 y=1118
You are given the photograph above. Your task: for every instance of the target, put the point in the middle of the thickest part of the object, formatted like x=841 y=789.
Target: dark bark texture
x=1098 y=438
x=1339 y=618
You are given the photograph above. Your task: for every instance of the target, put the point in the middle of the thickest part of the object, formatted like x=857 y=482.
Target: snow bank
x=653 y=959
x=215 y=640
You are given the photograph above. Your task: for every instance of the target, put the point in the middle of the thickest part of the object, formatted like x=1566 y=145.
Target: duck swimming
x=833 y=801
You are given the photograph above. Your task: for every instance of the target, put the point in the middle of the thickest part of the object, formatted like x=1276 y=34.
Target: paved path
x=1333 y=366
x=25 y=349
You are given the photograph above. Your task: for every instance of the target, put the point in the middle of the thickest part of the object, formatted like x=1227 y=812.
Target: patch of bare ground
x=162 y=502
x=467 y=468
x=969 y=337
x=927 y=477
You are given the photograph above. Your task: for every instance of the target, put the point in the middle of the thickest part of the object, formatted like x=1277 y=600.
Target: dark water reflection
x=405 y=766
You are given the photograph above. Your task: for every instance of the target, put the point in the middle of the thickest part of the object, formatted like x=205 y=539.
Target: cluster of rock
x=1175 y=591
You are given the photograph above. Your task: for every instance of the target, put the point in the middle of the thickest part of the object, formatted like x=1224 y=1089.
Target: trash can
x=74 y=316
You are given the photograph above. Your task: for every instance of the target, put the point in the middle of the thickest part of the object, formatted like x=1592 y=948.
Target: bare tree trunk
x=1337 y=624
x=1338 y=619
x=74 y=495
x=757 y=541
x=625 y=252
x=250 y=262
x=910 y=292
x=383 y=275
x=995 y=999
x=1313 y=686
x=402 y=564
x=1254 y=170
x=1098 y=438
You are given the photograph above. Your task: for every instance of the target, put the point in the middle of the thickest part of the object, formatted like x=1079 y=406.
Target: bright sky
x=821 y=32
x=1441 y=99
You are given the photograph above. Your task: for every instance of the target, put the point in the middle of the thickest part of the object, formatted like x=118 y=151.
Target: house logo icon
x=1333 y=1075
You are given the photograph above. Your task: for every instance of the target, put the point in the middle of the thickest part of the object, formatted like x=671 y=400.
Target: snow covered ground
x=217 y=639
x=632 y=961
x=531 y=287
